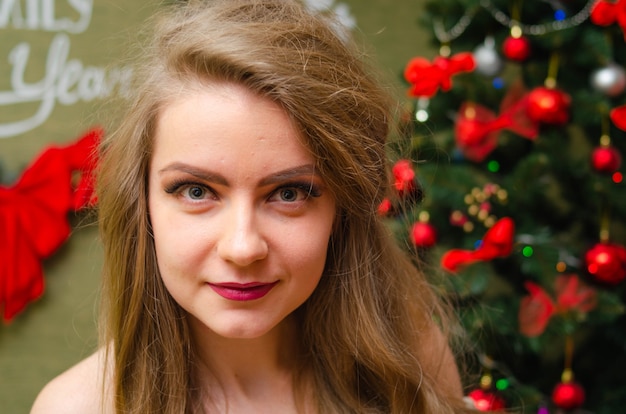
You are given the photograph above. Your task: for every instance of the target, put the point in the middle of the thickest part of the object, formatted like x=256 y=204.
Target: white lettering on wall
x=66 y=81
x=42 y=15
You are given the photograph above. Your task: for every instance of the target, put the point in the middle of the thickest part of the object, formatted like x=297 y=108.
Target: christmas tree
x=508 y=180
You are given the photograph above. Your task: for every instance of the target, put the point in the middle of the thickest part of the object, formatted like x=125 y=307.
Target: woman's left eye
x=195 y=192
x=294 y=193
x=288 y=194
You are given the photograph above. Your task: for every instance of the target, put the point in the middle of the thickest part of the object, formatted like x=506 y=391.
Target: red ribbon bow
x=426 y=77
x=477 y=128
x=537 y=308
x=605 y=13
x=33 y=218
x=497 y=242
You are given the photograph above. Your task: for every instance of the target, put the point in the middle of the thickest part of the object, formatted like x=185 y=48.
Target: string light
x=539 y=29
x=527 y=251
x=493 y=166
x=560 y=22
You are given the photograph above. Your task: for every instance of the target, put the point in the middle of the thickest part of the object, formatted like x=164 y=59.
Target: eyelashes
x=176 y=186
x=197 y=191
x=309 y=189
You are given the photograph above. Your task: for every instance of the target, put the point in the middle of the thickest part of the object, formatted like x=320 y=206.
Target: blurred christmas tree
x=518 y=126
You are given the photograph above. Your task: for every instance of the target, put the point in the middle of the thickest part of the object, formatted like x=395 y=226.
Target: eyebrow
x=207 y=175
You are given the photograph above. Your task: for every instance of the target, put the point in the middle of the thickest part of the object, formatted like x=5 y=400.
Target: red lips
x=242 y=291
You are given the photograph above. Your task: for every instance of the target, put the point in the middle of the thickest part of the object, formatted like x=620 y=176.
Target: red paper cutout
x=33 y=218
x=497 y=242
x=537 y=308
x=426 y=77
x=605 y=13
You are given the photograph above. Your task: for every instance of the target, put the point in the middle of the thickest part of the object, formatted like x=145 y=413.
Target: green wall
x=60 y=329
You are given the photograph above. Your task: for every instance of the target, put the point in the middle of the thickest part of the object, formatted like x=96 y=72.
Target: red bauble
x=385 y=207
x=423 y=234
x=606 y=262
x=548 y=105
x=487 y=400
x=404 y=177
x=606 y=159
x=516 y=48
x=568 y=395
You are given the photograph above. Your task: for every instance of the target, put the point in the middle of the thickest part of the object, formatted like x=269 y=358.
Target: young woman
x=246 y=270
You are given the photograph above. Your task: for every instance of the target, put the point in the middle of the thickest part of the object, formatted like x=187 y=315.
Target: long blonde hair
x=361 y=327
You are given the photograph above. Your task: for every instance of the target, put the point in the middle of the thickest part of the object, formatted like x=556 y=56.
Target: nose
x=241 y=242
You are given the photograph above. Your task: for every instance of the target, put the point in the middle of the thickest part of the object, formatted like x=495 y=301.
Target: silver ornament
x=609 y=80
x=487 y=59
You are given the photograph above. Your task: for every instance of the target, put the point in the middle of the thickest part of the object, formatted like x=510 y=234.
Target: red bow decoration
x=477 y=128
x=426 y=77
x=618 y=116
x=497 y=242
x=605 y=13
x=537 y=308
x=33 y=217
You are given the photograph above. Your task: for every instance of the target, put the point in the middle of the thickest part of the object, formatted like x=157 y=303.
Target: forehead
x=223 y=123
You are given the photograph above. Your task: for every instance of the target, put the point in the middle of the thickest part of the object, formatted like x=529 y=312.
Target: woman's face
x=241 y=219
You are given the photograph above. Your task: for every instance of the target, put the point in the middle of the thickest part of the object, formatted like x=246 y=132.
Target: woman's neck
x=257 y=372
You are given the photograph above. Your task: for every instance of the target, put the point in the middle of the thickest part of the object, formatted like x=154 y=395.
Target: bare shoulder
x=440 y=362
x=80 y=389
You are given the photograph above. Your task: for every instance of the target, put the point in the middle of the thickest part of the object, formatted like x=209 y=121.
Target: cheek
x=307 y=249
x=176 y=243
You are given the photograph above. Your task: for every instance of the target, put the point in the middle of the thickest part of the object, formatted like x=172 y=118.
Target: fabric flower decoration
x=426 y=78
x=33 y=217
x=605 y=13
x=497 y=242
x=537 y=308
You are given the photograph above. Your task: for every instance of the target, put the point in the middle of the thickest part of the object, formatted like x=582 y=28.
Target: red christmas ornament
x=516 y=48
x=404 y=177
x=606 y=262
x=423 y=234
x=405 y=183
x=618 y=116
x=568 y=395
x=487 y=400
x=607 y=12
x=548 y=105
x=606 y=159
x=385 y=207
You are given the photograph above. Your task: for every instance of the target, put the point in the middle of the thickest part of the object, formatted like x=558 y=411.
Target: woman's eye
x=293 y=193
x=288 y=194
x=196 y=192
x=189 y=191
